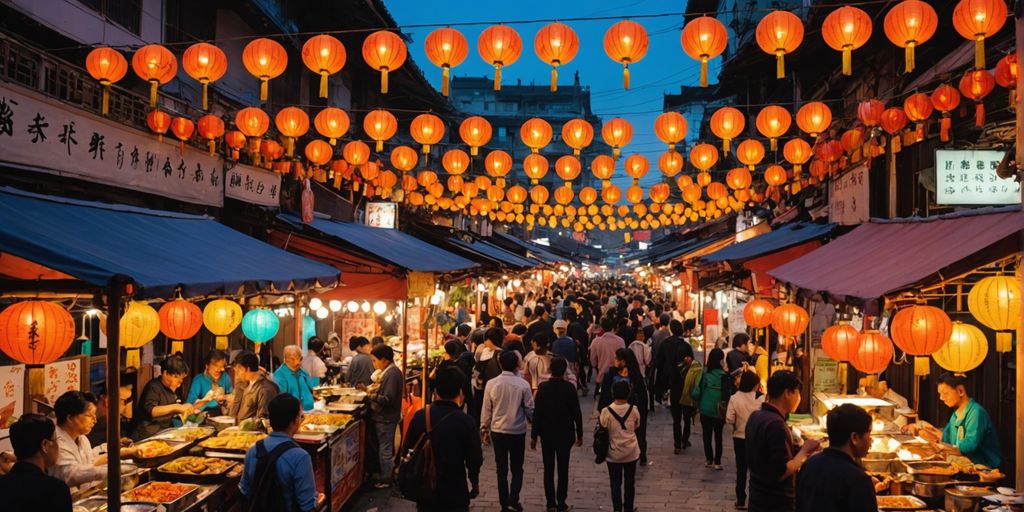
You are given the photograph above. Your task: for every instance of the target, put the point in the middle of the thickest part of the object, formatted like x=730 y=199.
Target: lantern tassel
x=920 y=131
x=263 y=89
x=796 y=170
x=979 y=52
x=896 y=146
x=909 y=57
x=704 y=72
x=944 y=126
x=152 y=92
x=445 y=73
x=289 y=144
x=497 y=77
x=206 y=84
x=181 y=148
x=105 y=103
x=726 y=145
x=780 y=65
x=554 y=79
x=177 y=347
x=979 y=114
x=337 y=180
x=922 y=366
x=474 y=151
x=426 y=149
x=774 y=144
x=625 y=76
x=213 y=146
x=132 y=360
x=380 y=145
x=847 y=61
x=615 y=152
x=222 y=342
x=323 y=83
x=1004 y=342
x=1013 y=100
x=576 y=152
x=383 y=80
x=234 y=154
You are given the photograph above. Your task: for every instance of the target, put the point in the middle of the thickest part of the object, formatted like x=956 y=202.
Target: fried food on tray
x=898 y=502
x=159 y=492
x=232 y=442
x=196 y=466
x=188 y=434
x=332 y=420
x=153 y=449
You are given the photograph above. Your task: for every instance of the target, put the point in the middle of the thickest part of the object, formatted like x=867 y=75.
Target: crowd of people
x=513 y=380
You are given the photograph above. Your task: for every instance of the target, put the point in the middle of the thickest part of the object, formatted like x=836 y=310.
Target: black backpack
x=417 y=470
x=601 y=435
x=267 y=495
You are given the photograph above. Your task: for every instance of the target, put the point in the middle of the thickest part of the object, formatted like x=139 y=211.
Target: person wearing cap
x=564 y=346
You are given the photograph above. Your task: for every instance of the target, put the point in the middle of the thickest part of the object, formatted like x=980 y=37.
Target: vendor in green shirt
x=970 y=429
x=213 y=386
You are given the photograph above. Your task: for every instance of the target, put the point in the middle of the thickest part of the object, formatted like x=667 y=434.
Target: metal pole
x=114 y=299
x=1019 y=43
x=299 y=320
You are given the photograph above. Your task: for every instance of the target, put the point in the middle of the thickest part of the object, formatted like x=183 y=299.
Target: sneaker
x=381 y=485
x=678 y=450
x=740 y=505
x=708 y=464
x=517 y=507
x=718 y=467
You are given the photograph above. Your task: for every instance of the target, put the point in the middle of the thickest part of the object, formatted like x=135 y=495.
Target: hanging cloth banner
x=41 y=134
x=252 y=185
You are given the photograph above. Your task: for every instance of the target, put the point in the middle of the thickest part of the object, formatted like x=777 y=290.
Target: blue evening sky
x=662 y=71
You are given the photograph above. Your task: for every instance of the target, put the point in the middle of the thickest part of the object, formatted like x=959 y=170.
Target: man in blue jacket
x=292 y=379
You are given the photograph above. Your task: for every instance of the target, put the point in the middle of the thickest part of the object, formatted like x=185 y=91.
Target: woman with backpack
x=712 y=397
x=621 y=419
x=626 y=368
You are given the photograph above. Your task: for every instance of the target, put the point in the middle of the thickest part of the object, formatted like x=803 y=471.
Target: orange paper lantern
x=292 y=123
x=790 y=320
x=427 y=129
x=626 y=43
x=499 y=46
x=356 y=153
x=894 y=120
x=617 y=132
x=535 y=166
x=874 y=351
x=603 y=167
x=265 y=59
x=475 y=132
x=205 y=63
x=588 y=195
x=670 y=128
x=814 y=118
x=670 y=163
x=773 y=122
x=750 y=152
x=324 y=55
x=920 y=330
x=455 y=161
x=384 y=51
x=404 y=158
x=380 y=125
x=758 y=313
x=535 y=133
x=727 y=123
x=156 y=65
x=636 y=167
x=498 y=163
x=846 y=29
x=331 y=122
x=703 y=39
x=568 y=168
x=840 y=342
x=797 y=152
x=775 y=175
x=159 y=122
x=703 y=156
x=446 y=48
x=539 y=194
x=36 y=332
x=945 y=99
x=236 y=141
x=180 y=320
x=908 y=24
x=918 y=107
x=107 y=66
x=738 y=178
x=577 y=134
x=611 y=194
x=319 y=152
x=976 y=84
x=977 y=19
x=779 y=33
x=211 y=128
x=556 y=44
x=870 y=111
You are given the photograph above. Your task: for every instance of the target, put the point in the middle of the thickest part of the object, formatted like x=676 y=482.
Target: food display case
x=337 y=455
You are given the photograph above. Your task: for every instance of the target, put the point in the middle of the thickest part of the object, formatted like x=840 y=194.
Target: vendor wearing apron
x=970 y=429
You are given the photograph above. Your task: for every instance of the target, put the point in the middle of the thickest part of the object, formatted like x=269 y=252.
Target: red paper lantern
x=945 y=99
x=758 y=313
x=840 y=342
x=976 y=84
x=36 y=332
x=180 y=320
x=790 y=320
x=920 y=330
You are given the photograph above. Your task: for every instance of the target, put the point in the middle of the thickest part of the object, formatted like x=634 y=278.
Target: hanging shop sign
x=252 y=185
x=968 y=177
x=849 y=199
x=63 y=376
x=12 y=394
x=421 y=284
x=40 y=134
x=357 y=327
x=382 y=214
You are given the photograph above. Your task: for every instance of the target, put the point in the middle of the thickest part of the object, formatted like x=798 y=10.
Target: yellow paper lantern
x=222 y=317
x=965 y=350
x=139 y=325
x=996 y=302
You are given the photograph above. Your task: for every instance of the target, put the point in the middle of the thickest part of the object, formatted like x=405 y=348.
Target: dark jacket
x=735 y=358
x=465 y=365
x=667 y=361
x=638 y=395
x=833 y=482
x=578 y=331
x=27 y=489
x=536 y=328
x=386 y=402
x=769 y=449
x=556 y=415
x=457 y=453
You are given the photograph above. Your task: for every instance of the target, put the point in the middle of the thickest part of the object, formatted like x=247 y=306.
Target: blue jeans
x=386 y=447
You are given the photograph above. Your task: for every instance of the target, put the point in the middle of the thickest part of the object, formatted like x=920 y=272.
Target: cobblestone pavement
x=671 y=482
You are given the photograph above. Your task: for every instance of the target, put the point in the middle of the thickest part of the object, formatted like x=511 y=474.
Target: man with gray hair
x=292 y=379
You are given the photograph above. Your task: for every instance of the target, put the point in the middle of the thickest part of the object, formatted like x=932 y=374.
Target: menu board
x=12 y=394
x=826 y=373
x=63 y=376
x=356 y=327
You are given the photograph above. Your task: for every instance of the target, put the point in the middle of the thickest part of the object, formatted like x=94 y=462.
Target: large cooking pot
x=965 y=499
x=930 y=489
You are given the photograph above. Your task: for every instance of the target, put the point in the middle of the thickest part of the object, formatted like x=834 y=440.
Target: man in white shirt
x=77 y=463
x=507 y=405
x=312 y=363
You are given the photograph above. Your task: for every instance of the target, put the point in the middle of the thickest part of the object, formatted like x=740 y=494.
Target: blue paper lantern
x=260 y=325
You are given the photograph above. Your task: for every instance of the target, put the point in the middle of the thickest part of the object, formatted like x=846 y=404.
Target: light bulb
x=315 y=303
x=435 y=299
x=388 y=318
x=380 y=307
x=322 y=313
x=517 y=283
x=352 y=306
x=335 y=305
x=92 y=312
x=481 y=287
x=365 y=306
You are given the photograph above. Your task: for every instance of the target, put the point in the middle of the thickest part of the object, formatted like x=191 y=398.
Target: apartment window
x=508 y=107
x=488 y=105
x=127 y=13
x=502 y=133
x=189 y=20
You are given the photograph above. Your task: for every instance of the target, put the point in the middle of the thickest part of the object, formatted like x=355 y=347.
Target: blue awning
x=535 y=250
x=782 y=238
x=391 y=245
x=672 y=252
x=495 y=253
x=159 y=250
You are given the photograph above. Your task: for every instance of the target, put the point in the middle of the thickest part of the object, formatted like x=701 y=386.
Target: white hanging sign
x=252 y=185
x=849 y=201
x=968 y=177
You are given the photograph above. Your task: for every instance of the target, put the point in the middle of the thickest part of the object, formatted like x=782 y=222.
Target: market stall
x=116 y=258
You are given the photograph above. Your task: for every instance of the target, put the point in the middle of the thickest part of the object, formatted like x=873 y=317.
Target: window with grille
x=127 y=13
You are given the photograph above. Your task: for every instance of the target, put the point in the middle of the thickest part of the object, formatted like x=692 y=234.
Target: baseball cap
x=561 y=324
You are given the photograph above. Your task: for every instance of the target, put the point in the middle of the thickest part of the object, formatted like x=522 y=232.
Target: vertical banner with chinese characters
x=42 y=134
x=62 y=376
x=849 y=200
x=12 y=394
x=252 y=185
x=968 y=177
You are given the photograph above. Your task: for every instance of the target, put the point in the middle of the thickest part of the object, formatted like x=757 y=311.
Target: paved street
x=672 y=482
